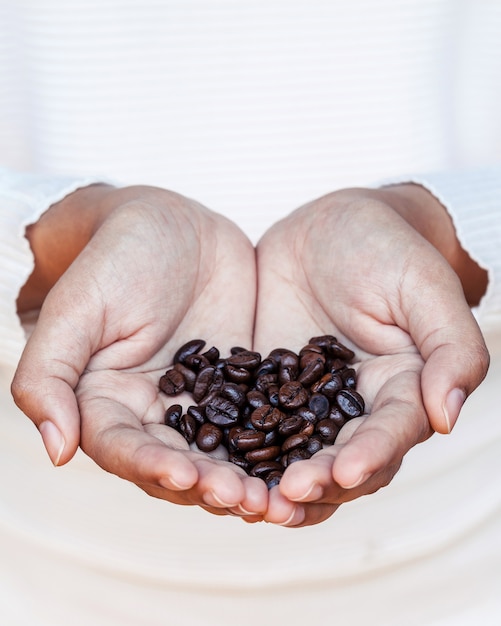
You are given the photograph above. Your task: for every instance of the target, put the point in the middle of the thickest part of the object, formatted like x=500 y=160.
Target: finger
x=450 y=341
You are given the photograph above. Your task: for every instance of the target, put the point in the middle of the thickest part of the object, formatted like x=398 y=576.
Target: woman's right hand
x=159 y=271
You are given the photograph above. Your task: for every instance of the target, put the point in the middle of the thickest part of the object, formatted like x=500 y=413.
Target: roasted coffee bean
x=294 y=441
x=190 y=347
x=277 y=353
x=292 y=395
x=319 y=404
x=307 y=414
x=350 y=402
x=336 y=415
x=196 y=362
x=263 y=468
x=221 y=412
x=273 y=479
x=307 y=429
x=197 y=413
x=209 y=437
x=323 y=341
x=172 y=383
x=309 y=347
x=210 y=378
x=271 y=437
x=267 y=366
x=290 y=425
x=336 y=366
x=208 y=398
x=274 y=395
x=240 y=461
x=237 y=350
x=237 y=374
x=246 y=359
x=349 y=377
x=173 y=415
x=298 y=454
x=312 y=370
x=256 y=398
x=189 y=376
x=233 y=392
x=328 y=385
x=266 y=417
x=327 y=430
x=188 y=427
x=314 y=444
x=264 y=382
x=288 y=368
x=262 y=454
x=339 y=351
x=246 y=440
x=212 y=355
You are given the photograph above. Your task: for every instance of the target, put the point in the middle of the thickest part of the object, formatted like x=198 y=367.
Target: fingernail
x=452 y=406
x=314 y=493
x=296 y=517
x=239 y=510
x=53 y=441
x=219 y=502
x=361 y=479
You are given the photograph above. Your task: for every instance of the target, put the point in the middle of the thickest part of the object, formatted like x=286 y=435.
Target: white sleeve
x=23 y=199
x=472 y=198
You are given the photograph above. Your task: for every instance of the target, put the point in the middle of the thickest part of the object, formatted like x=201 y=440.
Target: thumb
x=47 y=374
x=455 y=354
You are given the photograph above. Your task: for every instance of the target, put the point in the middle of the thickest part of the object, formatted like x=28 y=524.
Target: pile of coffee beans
x=266 y=412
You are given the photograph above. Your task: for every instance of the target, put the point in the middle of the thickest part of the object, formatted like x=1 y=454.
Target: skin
x=393 y=295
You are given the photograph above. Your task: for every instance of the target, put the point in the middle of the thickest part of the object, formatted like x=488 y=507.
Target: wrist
x=59 y=236
x=421 y=210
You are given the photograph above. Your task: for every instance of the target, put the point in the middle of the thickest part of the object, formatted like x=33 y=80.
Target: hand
x=159 y=270
x=350 y=265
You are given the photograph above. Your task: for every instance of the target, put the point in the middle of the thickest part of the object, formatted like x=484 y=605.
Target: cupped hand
x=349 y=265
x=160 y=270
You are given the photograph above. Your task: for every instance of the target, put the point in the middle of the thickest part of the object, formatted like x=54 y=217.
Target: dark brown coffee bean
x=190 y=347
x=277 y=353
x=288 y=368
x=323 y=341
x=327 y=430
x=263 y=468
x=309 y=347
x=273 y=479
x=188 y=427
x=349 y=377
x=266 y=417
x=246 y=359
x=271 y=437
x=221 y=412
x=256 y=398
x=237 y=374
x=336 y=415
x=208 y=399
x=173 y=415
x=274 y=395
x=197 y=413
x=196 y=362
x=209 y=437
x=292 y=395
x=212 y=355
x=350 y=402
x=188 y=375
x=339 y=351
x=172 y=383
x=307 y=414
x=298 y=454
x=307 y=429
x=240 y=461
x=210 y=378
x=328 y=385
x=262 y=454
x=267 y=366
x=233 y=392
x=314 y=444
x=319 y=404
x=290 y=425
x=294 y=441
x=336 y=366
x=264 y=382
x=312 y=369
x=247 y=440
x=237 y=350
